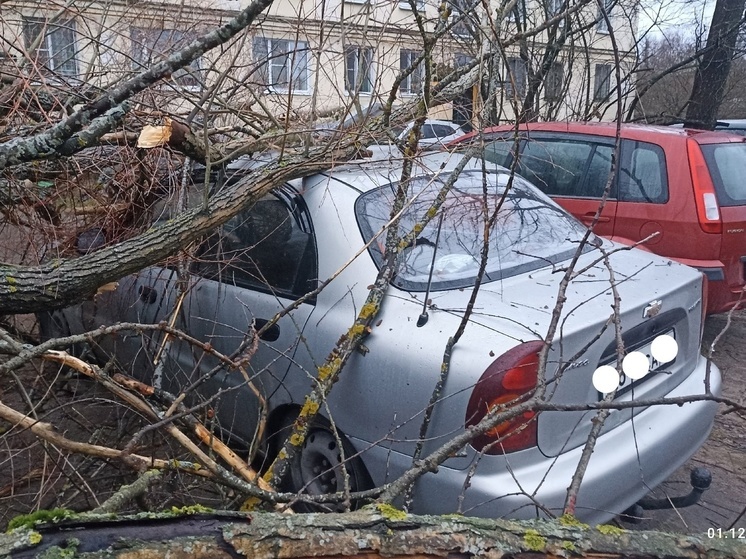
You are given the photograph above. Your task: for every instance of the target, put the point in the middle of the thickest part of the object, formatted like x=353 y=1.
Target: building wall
x=106 y=33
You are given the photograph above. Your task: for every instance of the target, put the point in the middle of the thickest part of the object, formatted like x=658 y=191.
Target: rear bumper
x=627 y=463
x=722 y=291
x=722 y=297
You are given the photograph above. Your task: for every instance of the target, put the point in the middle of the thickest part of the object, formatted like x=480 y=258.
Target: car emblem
x=653 y=308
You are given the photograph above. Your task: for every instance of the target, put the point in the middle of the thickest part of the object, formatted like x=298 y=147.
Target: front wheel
x=319 y=466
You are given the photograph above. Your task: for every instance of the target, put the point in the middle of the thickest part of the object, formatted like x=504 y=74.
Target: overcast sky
x=674 y=16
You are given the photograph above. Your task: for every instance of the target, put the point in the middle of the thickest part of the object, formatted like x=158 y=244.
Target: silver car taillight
x=509 y=379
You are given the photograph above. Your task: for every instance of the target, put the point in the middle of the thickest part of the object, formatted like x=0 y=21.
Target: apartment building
x=310 y=59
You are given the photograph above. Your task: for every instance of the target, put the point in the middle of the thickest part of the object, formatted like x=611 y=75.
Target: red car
x=688 y=186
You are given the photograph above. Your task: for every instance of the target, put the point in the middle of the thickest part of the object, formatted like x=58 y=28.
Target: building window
x=516 y=75
x=463 y=17
x=412 y=84
x=463 y=104
x=284 y=64
x=359 y=69
x=602 y=82
x=602 y=26
x=151 y=45
x=554 y=7
x=55 y=44
x=553 y=82
x=518 y=13
x=460 y=59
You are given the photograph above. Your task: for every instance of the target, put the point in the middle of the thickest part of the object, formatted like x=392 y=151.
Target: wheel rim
x=321 y=463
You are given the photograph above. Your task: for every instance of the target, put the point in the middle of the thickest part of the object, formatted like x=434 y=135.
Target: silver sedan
x=313 y=229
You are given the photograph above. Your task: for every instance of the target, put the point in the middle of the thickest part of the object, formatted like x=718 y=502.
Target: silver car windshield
x=530 y=230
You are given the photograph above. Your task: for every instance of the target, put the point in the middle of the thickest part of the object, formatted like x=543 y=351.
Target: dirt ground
x=724 y=504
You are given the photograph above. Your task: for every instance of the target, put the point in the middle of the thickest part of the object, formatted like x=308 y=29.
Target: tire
x=317 y=468
x=54 y=324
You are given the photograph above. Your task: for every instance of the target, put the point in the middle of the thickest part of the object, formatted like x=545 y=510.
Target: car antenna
x=422 y=320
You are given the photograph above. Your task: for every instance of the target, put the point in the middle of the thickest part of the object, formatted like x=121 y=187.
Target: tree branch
x=48 y=143
x=363 y=534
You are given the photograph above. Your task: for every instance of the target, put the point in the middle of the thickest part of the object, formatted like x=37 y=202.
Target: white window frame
x=152 y=44
x=409 y=86
x=49 y=49
x=462 y=59
x=519 y=12
x=294 y=62
x=405 y=5
x=364 y=63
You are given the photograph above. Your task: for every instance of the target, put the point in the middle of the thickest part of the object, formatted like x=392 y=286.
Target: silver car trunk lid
x=657 y=297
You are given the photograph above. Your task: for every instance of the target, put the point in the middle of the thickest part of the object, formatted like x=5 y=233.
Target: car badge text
x=576 y=364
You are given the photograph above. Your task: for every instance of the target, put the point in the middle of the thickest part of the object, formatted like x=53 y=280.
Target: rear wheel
x=320 y=464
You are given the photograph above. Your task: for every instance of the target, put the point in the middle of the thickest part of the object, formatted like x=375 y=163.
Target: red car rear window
x=727 y=165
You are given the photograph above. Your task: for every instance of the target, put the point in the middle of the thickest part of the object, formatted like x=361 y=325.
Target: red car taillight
x=509 y=378
x=706 y=201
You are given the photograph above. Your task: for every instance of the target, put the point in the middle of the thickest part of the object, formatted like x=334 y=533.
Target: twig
x=47 y=432
x=126 y=493
x=600 y=419
x=204 y=434
x=218 y=471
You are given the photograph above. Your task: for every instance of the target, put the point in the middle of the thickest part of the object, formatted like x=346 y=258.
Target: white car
x=308 y=230
x=434 y=134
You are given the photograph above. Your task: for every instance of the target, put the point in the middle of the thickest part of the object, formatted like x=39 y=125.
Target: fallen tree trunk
x=385 y=532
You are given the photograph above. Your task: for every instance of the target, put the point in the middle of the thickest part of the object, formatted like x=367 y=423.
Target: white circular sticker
x=606 y=379
x=664 y=348
x=635 y=365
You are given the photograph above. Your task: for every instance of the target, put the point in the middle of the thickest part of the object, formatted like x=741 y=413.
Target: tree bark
x=714 y=66
x=60 y=283
x=367 y=533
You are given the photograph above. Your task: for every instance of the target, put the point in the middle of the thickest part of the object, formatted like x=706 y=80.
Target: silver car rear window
x=727 y=165
x=530 y=230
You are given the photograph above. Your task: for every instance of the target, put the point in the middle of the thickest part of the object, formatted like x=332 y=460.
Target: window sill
x=175 y=87
x=281 y=91
x=407 y=8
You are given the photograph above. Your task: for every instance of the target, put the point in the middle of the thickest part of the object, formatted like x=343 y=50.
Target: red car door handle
x=590 y=215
